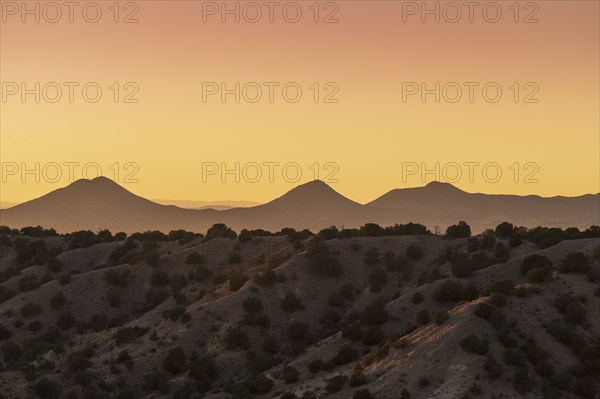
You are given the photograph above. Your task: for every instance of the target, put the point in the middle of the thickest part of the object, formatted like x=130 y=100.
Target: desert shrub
x=156 y=381
x=236 y=338
x=472 y=344
x=252 y=304
x=266 y=279
x=347 y=291
x=502 y=286
x=57 y=301
x=65 y=321
x=461 y=266
x=234 y=257
x=257 y=319
x=291 y=302
x=372 y=256
x=571 y=308
x=64 y=279
x=129 y=334
x=372 y=335
x=504 y=230
x=315 y=366
x=10 y=351
x=259 y=384
x=422 y=317
x=335 y=384
x=175 y=313
x=449 y=291
x=377 y=278
x=219 y=278
x=160 y=278
x=586 y=387
x=47 y=389
x=501 y=253
x=322 y=261
x=498 y=300
x=204 y=370
x=374 y=314
x=358 y=376
x=175 y=361
x=113 y=297
x=492 y=367
x=5 y=332
x=424 y=381
x=335 y=300
x=258 y=362
x=297 y=332
x=345 y=354
x=155 y=297
x=219 y=230
x=498 y=319
x=521 y=380
x=414 y=252
x=178 y=282
x=30 y=310
x=362 y=394
x=484 y=310
x=29 y=282
x=417 y=298
x=194 y=259
x=574 y=262
x=405 y=394
x=534 y=261
x=352 y=331
x=538 y=275
x=290 y=375
x=460 y=230
x=270 y=345
x=237 y=279
x=54 y=265
x=202 y=273
x=6 y=294
x=488 y=239
x=440 y=316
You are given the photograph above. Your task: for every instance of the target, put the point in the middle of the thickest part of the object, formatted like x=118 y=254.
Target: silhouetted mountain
x=101 y=203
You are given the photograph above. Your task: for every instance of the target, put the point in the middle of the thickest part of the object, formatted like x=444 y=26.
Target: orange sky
x=368 y=134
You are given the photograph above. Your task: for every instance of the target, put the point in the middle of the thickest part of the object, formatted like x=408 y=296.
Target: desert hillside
x=366 y=313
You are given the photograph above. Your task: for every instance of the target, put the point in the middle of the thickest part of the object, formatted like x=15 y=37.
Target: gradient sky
x=368 y=134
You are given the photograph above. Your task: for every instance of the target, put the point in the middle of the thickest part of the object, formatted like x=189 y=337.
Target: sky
x=163 y=97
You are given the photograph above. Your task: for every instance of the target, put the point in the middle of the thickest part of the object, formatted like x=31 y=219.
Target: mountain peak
x=438 y=185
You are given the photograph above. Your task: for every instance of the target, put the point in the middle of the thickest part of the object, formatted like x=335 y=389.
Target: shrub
x=30 y=310
x=54 y=265
x=352 y=331
x=574 y=262
x=160 y=278
x=417 y=298
x=539 y=275
x=129 y=334
x=266 y=279
x=484 y=310
x=269 y=345
x=65 y=321
x=374 y=314
x=204 y=370
x=252 y=304
x=414 y=252
x=362 y=394
x=502 y=286
x=449 y=291
x=501 y=253
x=175 y=361
x=335 y=300
x=290 y=375
x=322 y=262
x=315 y=366
x=472 y=344
x=345 y=354
x=571 y=308
x=493 y=367
x=156 y=297
x=297 y=332
x=372 y=335
x=236 y=338
x=422 y=317
x=29 y=282
x=237 y=279
x=47 y=389
x=358 y=376
x=461 y=267
x=372 y=256
x=113 y=297
x=335 y=384
x=498 y=300
x=194 y=259
x=347 y=291
x=460 y=230
x=440 y=316
x=57 y=301
x=534 y=261
x=291 y=302
x=64 y=279
x=377 y=278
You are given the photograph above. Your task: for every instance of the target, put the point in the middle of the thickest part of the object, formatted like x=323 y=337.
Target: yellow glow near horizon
x=367 y=135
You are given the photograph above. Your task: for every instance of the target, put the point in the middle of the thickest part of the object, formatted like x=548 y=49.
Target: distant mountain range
x=101 y=203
